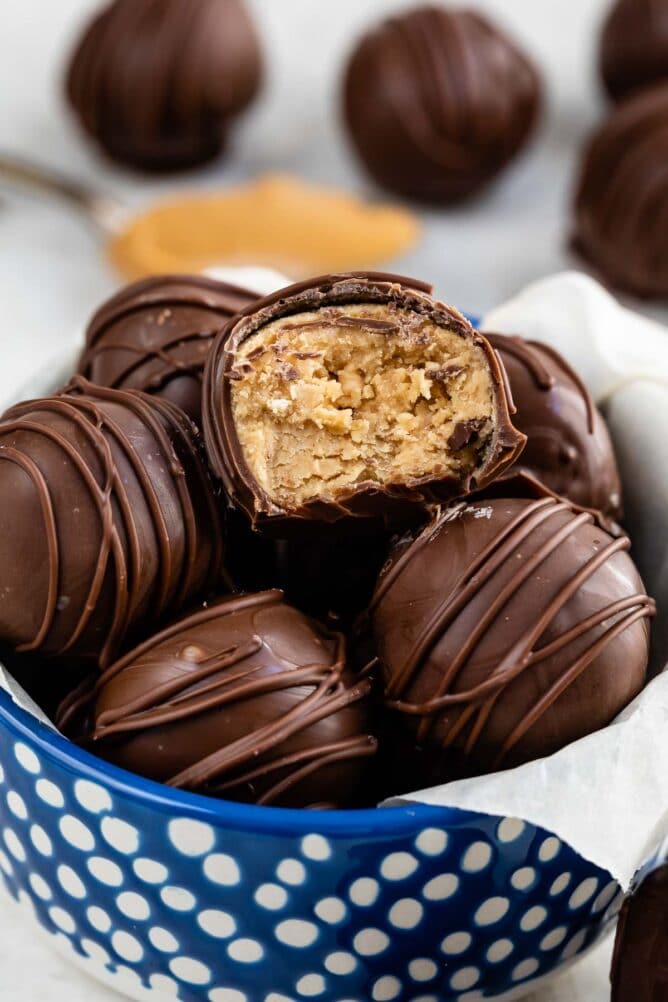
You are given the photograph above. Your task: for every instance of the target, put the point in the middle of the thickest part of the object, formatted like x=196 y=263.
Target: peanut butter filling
x=328 y=400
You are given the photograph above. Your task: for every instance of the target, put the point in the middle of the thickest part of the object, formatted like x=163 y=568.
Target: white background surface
x=52 y=273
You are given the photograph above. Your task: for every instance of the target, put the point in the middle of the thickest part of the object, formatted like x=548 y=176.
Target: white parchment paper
x=606 y=795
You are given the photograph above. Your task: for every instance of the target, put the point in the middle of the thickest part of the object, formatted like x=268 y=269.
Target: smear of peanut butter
x=276 y=221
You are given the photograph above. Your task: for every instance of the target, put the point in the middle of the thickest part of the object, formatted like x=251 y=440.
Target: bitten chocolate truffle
x=154 y=335
x=507 y=629
x=353 y=396
x=107 y=520
x=621 y=202
x=568 y=446
x=639 y=972
x=246 y=699
x=634 y=46
x=438 y=102
x=156 y=82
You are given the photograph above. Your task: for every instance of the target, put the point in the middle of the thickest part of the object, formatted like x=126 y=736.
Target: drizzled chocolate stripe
x=547 y=588
x=130 y=527
x=238 y=717
x=155 y=334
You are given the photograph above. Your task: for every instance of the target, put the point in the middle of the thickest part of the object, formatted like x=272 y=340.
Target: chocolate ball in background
x=634 y=46
x=638 y=971
x=350 y=399
x=108 y=520
x=568 y=445
x=506 y=630
x=438 y=101
x=157 y=82
x=154 y=335
x=621 y=200
x=245 y=699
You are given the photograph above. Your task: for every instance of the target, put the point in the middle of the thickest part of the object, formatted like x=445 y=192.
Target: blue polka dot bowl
x=167 y=895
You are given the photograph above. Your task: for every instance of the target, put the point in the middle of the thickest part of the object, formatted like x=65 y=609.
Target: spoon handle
x=105 y=212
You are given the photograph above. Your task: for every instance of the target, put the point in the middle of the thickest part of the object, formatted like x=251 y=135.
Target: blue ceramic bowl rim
x=370 y=821
x=381 y=821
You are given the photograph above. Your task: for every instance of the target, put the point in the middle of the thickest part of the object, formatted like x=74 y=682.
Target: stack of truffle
x=438 y=505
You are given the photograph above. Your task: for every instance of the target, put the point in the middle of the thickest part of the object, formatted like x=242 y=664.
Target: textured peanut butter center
x=347 y=395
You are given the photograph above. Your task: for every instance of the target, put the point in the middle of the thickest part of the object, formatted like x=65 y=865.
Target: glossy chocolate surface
x=507 y=629
x=154 y=335
x=634 y=46
x=621 y=204
x=156 y=82
x=367 y=501
x=438 y=101
x=640 y=960
x=246 y=699
x=107 y=521
x=568 y=445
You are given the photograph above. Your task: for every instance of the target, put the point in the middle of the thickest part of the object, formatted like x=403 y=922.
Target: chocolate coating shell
x=438 y=101
x=568 y=446
x=155 y=82
x=107 y=521
x=154 y=335
x=621 y=203
x=507 y=629
x=634 y=46
x=367 y=501
x=639 y=972
x=245 y=699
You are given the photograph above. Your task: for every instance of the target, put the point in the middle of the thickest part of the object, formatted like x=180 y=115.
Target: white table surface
x=52 y=273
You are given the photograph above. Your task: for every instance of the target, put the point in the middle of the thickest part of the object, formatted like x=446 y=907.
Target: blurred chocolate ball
x=156 y=82
x=621 y=201
x=634 y=46
x=438 y=101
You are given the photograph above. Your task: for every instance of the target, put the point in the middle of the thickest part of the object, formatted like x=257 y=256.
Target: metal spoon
x=105 y=212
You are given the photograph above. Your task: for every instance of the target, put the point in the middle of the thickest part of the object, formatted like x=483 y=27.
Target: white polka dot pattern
x=340 y=963
x=105 y=870
x=386 y=989
x=271 y=896
x=191 y=838
x=154 y=905
x=222 y=869
x=364 y=891
x=296 y=932
x=216 y=923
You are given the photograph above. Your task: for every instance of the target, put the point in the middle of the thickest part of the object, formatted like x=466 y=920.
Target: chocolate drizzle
x=568 y=446
x=150 y=99
x=438 y=102
x=154 y=335
x=130 y=527
x=251 y=699
x=495 y=614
